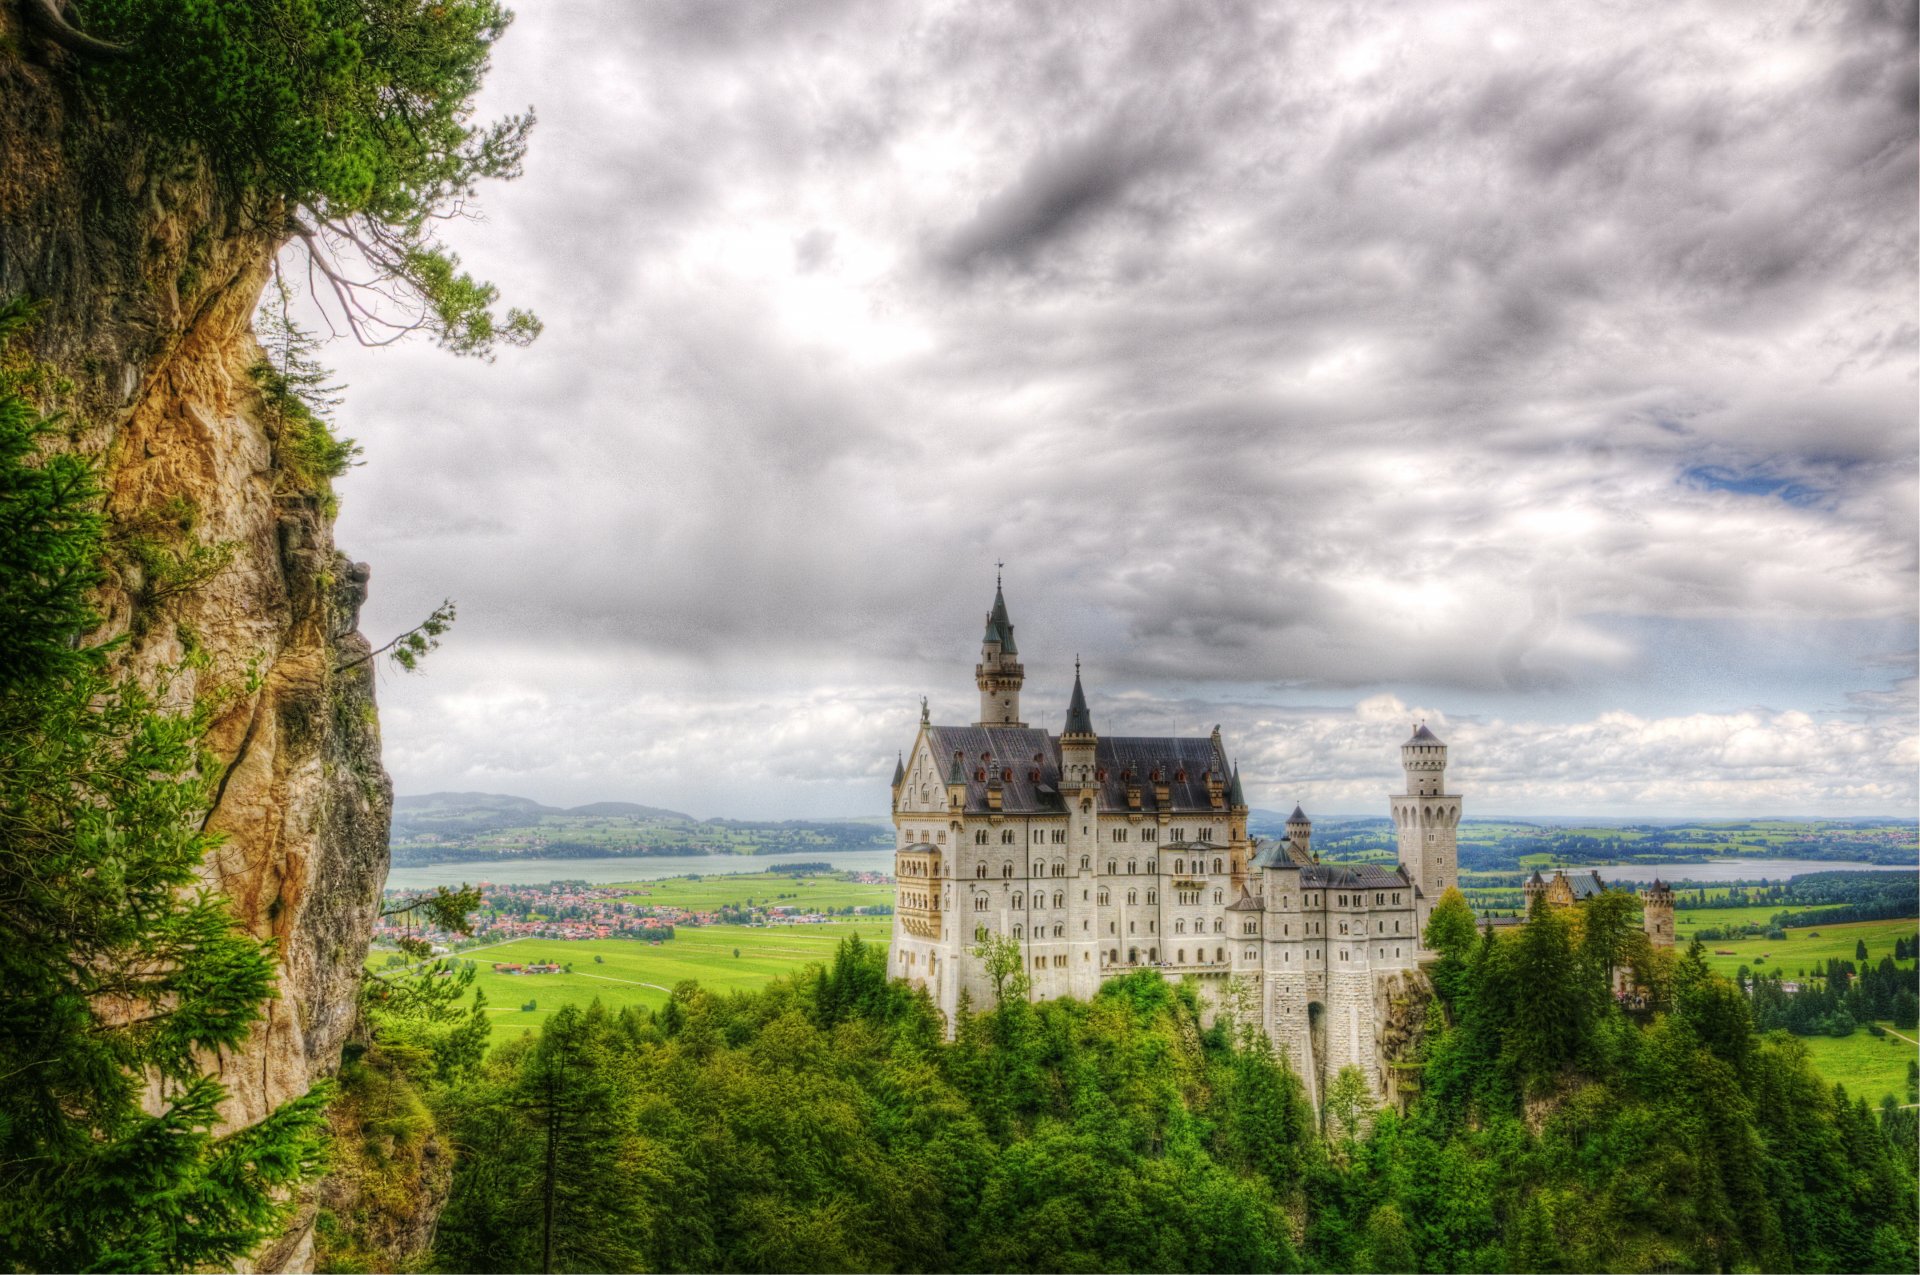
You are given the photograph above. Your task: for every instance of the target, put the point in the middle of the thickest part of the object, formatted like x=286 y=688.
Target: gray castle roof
x=899 y=770
x=1298 y=816
x=1079 y=720
x=1353 y=876
x=999 y=627
x=1423 y=736
x=1034 y=758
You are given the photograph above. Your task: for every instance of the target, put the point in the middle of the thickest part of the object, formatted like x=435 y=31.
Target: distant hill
x=475 y=827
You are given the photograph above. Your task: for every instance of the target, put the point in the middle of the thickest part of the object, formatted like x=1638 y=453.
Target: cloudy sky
x=1543 y=370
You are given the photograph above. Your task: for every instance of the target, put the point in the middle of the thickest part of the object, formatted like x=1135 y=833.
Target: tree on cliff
x=350 y=121
x=120 y=970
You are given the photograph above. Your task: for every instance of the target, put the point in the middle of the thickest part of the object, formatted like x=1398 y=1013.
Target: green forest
x=825 y=1123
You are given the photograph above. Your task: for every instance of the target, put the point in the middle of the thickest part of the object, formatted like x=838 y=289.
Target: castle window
x=1130 y=866
x=1133 y=896
x=1113 y=868
x=1219 y=924
x=980 y=837
x=1153 y=896
x=980 y=870
x=1149 y=865
x=1113 y=927
x=1378 y=899
x=1036 y=834
x=1179 y=834
x=924 y=837
x=1149 y=834
x=1179 y=927
x=1103 y=898
x=1059 y=930
x=1085 y=926
x=1252 y=954
x=1039 y=868
x=1153 y=927
x=1119 y=834
x=1343 y=927
x=1217 y=896
x=1130 y=927
x=979 y=903
x=1182 y=959
x=1179 y=866
x=1019 y=931
x=1133 y=956
x=1216 y=866
x=1219 y=953
x=1084 y=859
x=1059 y=899
x=1006 y=869
x=1153 y=954
x=1006 y=837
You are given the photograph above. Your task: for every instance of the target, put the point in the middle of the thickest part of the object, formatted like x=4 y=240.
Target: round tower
x=1658 y=908
x=998 y=674
x=1426 y=817
x=1300 y=837
x=1535 y=886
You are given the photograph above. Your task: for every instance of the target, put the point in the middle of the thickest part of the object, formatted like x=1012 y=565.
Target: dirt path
x=634 y=981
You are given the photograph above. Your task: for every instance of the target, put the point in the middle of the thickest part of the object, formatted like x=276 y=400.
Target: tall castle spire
x=998 y=674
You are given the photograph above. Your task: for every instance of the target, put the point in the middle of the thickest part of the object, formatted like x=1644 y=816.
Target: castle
x=1098 y=855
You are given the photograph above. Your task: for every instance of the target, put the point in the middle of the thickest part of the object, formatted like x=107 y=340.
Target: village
x=649 y=911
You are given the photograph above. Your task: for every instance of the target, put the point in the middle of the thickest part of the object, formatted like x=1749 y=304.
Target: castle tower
x=1300 y=837
x=1427 y=817
x=1533 y=888
x=1658 y=906
x=1080 y=791
x=1239 y=848
x=998 y=674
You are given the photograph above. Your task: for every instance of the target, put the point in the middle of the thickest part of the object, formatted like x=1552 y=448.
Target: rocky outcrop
x=148 y=272
x=1400 y=1003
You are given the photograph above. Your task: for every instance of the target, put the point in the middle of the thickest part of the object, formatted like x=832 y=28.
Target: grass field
x=633 y=972
x=699 y=894
x=1686 y=920
x=1802 y=952
x=1869 y=1066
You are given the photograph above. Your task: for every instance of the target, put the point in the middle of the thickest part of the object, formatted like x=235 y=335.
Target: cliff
x=149 y=272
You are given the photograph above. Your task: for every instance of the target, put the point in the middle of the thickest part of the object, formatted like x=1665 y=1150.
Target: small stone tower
x=1300 y=837
x=1239 y=845
x=1535 y=886
x=998 y=674
x=1658 y=907
x=1427 y=817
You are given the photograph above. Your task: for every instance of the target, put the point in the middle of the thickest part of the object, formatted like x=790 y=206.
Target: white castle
x=1100 y=855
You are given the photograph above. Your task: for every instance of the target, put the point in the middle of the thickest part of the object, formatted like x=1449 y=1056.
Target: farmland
x=633 y=972
x=1869 y=1066
x=811 y=893
x=1803 y=950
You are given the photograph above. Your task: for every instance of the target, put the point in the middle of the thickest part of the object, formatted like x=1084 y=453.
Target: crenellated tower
x=998 y=674
x=1427 y=818
x=1658 y=909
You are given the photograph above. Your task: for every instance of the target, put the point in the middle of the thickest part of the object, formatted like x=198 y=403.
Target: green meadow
x=1803 y=950
x=699 y=894
x=635 y=972
x=1871 y=1067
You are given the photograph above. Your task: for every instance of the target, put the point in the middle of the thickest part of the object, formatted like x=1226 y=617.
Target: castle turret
x=1300 y=837
x=1531 y=889
x=1239 y=847
x=1426 y=818
x=998 y=674
x=1658 y=907
x=957 y=783
x=899 y=777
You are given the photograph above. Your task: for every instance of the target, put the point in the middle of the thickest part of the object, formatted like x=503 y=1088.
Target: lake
x=646 y=868
x=653 y=867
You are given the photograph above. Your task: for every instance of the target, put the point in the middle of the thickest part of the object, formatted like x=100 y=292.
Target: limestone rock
x=148 y=272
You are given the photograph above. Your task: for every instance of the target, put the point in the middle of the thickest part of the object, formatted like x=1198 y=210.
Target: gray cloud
x=1374 y=351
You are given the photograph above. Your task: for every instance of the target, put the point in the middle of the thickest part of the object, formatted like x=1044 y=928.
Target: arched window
x=1019 y=931
x=1153 y=896
x=980 y=837
x=1216 y=865
x=1103 y=898
x=1219 y=924
x=1113 y=869
x=1149 y=865
x=980 y=870
x=979 y=903
x=1133 y=896
x=1179 y=866
x=1006 y=837
x=1059 y=899
x=1179 y=927
x=1130 y=866
x=1083 y=862
x=1219 y=953
x=1133 y=956
x=1006 y=869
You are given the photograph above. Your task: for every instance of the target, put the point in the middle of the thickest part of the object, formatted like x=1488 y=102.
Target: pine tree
x=121 y=970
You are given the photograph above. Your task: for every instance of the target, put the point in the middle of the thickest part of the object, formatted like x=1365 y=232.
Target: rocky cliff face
x=148 y=273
